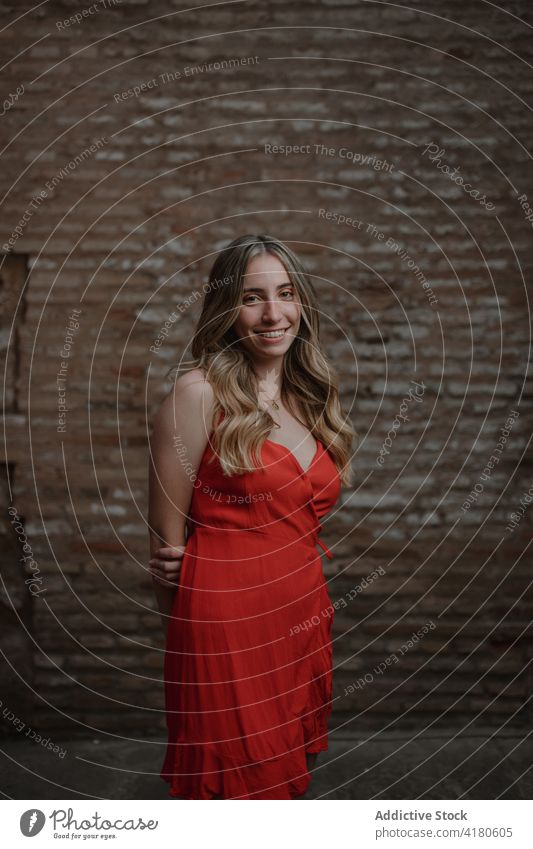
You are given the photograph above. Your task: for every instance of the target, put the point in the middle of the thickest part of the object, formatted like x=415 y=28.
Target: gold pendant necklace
x=275 y=405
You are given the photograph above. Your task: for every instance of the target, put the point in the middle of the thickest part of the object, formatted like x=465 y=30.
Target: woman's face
x=270 y=306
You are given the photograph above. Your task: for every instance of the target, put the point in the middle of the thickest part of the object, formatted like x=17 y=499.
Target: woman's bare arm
x=179 y=437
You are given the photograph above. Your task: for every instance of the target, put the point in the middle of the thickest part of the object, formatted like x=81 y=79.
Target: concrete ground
x=395 y=765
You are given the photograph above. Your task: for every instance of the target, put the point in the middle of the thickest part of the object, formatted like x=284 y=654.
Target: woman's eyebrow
x=261 y=289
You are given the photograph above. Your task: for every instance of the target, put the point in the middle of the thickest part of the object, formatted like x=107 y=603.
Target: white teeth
x=273 y=334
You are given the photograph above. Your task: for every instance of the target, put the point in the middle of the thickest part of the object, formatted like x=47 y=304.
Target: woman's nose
x=271 y=310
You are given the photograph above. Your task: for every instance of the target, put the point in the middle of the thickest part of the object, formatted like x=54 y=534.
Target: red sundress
x=248 y=660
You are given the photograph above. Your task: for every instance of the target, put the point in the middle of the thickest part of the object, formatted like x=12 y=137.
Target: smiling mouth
x=272 y=334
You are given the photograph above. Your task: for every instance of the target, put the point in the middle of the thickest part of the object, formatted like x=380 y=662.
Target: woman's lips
x=279 y=335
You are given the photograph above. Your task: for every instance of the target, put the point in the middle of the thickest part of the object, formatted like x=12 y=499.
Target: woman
x=248 y=675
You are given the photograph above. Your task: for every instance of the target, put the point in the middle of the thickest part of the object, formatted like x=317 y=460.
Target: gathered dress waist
x=311 y=538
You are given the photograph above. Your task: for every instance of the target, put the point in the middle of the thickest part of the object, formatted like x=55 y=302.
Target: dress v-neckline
x=303 y=471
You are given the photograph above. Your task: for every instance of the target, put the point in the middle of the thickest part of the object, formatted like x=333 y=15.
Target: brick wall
x=122 y=197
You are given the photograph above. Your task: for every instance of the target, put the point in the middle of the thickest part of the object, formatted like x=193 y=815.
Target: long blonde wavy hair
x=307 y=377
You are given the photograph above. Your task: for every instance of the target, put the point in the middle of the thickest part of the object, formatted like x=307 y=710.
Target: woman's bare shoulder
x=191 y=397
x=192 y=378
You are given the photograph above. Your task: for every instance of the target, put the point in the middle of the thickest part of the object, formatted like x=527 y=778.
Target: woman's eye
x=285 y=295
